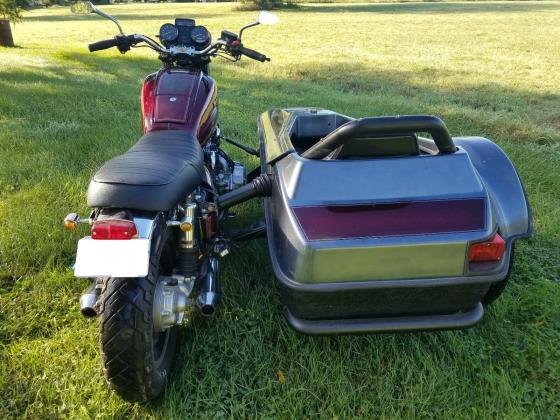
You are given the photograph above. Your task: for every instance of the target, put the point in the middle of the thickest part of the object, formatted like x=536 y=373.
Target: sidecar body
x=373 y=228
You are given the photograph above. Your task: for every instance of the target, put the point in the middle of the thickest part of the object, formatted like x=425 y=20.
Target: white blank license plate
x=112 y=258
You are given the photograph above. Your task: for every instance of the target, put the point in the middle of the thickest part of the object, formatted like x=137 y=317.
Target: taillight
x=488 y=251
x=113 y=229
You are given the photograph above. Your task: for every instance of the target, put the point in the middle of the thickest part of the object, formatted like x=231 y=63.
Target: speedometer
x=200 y=36
x=168 y=33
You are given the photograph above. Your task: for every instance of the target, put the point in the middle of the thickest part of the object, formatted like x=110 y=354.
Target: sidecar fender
x=512 y=210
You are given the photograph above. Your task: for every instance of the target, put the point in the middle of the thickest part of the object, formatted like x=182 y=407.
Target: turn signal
x=113 y=229
x=488 y=251
x=71 y=221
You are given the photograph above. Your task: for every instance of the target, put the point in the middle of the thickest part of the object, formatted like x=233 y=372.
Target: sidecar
x=373 y=227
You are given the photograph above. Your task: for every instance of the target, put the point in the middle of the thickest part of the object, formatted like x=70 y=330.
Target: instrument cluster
x=184 y=33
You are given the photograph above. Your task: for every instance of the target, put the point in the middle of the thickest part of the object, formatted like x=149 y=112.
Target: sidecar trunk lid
x=378 y=219
x=370 y=219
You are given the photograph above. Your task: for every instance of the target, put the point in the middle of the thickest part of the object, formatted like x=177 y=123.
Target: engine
x=227 y=174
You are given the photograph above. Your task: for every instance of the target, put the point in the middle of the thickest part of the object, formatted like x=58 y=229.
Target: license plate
x=112 y=258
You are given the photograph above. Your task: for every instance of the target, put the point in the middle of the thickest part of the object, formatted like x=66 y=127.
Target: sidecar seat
x=345 y=138
x=364 y=147
x=309 y=129
x=380 y=136
x=162 y=168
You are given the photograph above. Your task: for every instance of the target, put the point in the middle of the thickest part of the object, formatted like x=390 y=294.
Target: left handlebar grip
x=102 y=45
x=255 y=55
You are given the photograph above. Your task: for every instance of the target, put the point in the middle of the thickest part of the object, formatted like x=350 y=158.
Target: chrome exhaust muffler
x=209 y=296
x=88 y=302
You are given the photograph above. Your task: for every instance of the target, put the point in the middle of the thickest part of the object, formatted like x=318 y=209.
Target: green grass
x=489 y=69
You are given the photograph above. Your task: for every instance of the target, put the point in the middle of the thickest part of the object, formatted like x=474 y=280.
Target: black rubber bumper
x=458 y=320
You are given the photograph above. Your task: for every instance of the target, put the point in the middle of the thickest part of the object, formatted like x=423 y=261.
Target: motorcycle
x=155 y=232
x=370 y=226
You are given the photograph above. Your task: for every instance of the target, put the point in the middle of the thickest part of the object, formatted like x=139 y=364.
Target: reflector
x=391 y=219
x=491 y=250
x=113 y=229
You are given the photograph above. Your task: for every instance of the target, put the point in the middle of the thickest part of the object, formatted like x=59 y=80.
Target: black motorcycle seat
x=161 y=169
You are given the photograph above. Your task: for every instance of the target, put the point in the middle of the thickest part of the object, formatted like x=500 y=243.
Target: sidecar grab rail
x=383 y=126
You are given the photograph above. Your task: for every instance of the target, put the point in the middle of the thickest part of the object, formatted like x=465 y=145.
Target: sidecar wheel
x=496 y=289
x=136 y=360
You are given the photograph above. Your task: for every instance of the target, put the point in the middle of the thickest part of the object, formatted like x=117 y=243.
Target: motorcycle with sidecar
x=378 y=224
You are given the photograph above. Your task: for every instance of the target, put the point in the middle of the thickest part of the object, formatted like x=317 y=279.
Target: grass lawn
x=490 y=69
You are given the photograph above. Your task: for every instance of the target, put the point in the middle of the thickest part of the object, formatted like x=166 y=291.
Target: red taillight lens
x=113 y=229
x=491 y=250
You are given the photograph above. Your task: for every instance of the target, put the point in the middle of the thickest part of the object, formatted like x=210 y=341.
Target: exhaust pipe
x=209 y=296
x=88 y=301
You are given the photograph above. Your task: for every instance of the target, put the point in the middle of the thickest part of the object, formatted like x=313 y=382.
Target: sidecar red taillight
x=113 y=229
x=488 y=251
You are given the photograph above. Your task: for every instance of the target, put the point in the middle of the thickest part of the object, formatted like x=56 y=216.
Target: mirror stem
x=105 y=15
x=247 y=27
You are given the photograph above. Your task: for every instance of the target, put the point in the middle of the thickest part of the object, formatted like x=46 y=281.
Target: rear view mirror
x=267 y=18
x=86 y=7
x=82 y=8
x=264 y=18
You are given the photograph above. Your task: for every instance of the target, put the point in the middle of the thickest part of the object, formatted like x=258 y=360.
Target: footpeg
x=221 y=248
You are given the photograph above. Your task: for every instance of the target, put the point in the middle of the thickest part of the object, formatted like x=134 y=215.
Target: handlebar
x=122 y=42
x=125 y=42
x=255 y=55
x=102 y=45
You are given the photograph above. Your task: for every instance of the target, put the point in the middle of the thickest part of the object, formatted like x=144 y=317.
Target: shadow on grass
x=231 y=364
x=484 y=108
x=392 y=8
x=96 y=111
x=163 y=17
x=433 y=7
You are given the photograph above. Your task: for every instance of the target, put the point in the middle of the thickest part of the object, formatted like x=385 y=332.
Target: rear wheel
x=136 y=359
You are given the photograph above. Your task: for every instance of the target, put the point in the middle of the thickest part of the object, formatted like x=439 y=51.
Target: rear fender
x=117 y=258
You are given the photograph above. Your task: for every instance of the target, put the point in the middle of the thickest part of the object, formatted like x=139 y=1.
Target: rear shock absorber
x=187 y=252
x=189 y=265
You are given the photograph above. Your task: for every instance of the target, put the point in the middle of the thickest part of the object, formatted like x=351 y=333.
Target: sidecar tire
x=132 y=364
x=496 y=289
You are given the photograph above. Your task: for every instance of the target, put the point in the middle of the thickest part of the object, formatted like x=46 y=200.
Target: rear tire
x=136 y=360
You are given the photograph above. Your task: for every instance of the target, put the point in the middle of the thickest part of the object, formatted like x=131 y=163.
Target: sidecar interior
x=309 y=130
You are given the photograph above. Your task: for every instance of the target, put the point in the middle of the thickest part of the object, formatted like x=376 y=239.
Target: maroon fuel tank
x=180 y=99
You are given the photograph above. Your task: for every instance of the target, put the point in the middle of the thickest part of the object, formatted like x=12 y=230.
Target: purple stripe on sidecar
x=391 y=219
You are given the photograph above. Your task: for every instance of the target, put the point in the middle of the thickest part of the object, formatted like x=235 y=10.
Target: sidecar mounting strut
x=258 y=187
x=256 y=230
